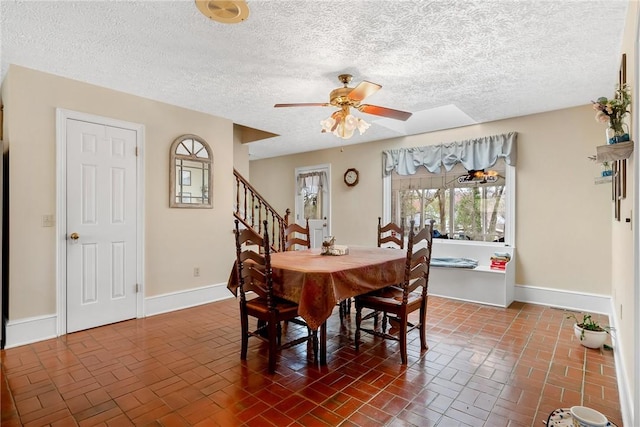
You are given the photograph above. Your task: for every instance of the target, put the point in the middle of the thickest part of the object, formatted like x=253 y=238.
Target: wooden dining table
x=317 y=282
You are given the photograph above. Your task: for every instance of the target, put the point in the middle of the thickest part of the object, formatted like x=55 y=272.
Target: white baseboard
x=570 y=300
x=30 y=330
x=184 y=299
x=624 y=385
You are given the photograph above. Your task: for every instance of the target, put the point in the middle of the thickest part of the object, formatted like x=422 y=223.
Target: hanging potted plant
x=613 y=112
x=590 y=333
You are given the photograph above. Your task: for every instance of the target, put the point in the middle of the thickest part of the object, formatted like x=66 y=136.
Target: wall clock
x=351 y=177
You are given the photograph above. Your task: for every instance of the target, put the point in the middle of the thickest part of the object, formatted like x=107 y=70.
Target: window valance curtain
x=474 y=154
x=312 y=182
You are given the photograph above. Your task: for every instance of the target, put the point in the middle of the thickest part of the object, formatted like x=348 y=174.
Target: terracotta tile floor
x=486 y=366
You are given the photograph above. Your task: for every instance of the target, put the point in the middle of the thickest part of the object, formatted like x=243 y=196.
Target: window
x=465 y=206
x=466 y=187
x=310 y=187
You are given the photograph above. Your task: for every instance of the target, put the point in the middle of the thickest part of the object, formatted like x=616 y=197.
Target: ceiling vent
x=227 y=12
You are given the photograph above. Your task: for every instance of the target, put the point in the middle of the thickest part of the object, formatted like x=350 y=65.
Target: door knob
x=74 y=236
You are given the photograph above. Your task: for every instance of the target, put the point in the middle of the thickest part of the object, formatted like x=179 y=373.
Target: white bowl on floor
x=587 y=417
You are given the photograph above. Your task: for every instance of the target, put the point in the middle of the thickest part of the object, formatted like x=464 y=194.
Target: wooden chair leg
x=315 y=346
x=358 y=320
x=344 y=309
x=273 y=344
x=423 y=327
x=262 y=326
x=244 y=326
x=279 y=333
x=323 y=343
x=403 y=339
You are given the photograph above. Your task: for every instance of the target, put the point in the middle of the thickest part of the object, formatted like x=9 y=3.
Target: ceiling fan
x=342 y=123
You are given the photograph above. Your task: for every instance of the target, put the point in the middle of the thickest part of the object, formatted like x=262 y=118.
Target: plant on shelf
x=590 y=333
x=607 y=167
x=613 y=111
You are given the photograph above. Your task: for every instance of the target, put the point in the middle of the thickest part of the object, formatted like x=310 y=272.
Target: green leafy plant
x=588 y=324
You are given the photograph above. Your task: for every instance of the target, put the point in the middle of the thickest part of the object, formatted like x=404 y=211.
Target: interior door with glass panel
x=313 y=196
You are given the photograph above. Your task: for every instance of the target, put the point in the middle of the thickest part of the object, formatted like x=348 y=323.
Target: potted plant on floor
x=590 y=333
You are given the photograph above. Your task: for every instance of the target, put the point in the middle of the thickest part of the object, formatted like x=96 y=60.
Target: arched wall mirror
x=191 y=178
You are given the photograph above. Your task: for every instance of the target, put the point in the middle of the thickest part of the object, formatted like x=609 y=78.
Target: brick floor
x=485 y=366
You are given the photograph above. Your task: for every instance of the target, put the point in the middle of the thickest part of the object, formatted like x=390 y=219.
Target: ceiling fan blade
x=384 y=112
x=309 y=104
x=363 y=90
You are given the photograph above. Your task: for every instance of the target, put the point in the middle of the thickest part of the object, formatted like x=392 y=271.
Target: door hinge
x=136 y=151
x=137 y=288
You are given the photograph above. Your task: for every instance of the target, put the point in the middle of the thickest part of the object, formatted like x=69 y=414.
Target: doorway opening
x=313 y=200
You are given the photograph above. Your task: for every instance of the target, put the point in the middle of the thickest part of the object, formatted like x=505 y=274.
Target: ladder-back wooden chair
x=398 y=301
x=390 y=235
x=254 y=274
x=295 y=234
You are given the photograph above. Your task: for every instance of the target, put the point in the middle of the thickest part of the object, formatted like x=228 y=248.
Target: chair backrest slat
x=416 y=283
x=251 y=255
x=255 y=281
x=425 y=234
x=295 y=234
x=390 y=233
x=249 y=236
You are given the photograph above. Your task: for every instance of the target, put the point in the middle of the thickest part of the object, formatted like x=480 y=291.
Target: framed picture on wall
x=185 y=178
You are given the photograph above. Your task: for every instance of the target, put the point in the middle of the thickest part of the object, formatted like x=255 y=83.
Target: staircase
x=251 y=209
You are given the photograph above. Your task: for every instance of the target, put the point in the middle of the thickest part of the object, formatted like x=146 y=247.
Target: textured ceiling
x=450 y=62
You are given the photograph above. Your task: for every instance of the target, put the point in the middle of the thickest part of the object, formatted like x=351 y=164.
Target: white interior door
x=313 y=201
x=317 y=230
x=101 y=224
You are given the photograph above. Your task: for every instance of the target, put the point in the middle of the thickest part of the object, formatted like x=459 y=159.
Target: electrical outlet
x=196 y=271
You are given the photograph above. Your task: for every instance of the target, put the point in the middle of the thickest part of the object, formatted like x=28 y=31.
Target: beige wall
x=176 y=240
x=560 y=211
x=240 y=153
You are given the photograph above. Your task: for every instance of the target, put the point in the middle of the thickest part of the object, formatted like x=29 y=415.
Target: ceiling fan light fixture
x=343 y=125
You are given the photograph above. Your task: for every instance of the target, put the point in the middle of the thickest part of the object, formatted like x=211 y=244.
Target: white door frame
x=62 y=116
x=298 y=206
x=634 y=416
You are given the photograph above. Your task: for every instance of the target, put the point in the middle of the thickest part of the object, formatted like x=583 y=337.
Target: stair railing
x=252 y=209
